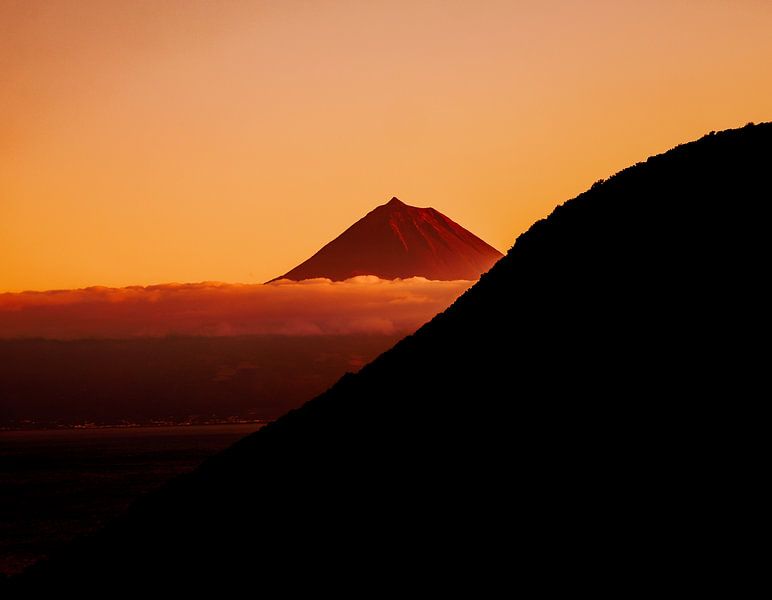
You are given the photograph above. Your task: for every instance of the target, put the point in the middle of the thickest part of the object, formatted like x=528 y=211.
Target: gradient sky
x=147 y=141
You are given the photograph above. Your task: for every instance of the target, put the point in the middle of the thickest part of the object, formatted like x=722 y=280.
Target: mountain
x=579 y=419
x=397 y=241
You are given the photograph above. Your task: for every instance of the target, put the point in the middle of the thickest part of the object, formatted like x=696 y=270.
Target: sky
x=151 y=141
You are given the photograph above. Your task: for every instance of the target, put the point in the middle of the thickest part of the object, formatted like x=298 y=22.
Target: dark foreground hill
x=569 y=419
x=397 y=241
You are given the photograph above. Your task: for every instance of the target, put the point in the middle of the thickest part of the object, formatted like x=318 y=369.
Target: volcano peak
x=398 y=241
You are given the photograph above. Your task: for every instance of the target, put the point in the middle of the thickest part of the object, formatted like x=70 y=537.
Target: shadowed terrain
x=176 y=379
x=58 y=484
x=551 y=426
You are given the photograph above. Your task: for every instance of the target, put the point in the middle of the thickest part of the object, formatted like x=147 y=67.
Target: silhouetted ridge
x=568 y=421
x=397 y=241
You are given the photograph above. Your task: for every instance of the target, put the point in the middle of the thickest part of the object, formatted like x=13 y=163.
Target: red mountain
x=400 y=241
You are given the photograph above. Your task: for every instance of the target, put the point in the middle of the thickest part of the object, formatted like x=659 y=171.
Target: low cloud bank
x=313 y=307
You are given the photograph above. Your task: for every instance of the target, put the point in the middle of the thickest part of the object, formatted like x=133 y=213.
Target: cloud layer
x=314 y=307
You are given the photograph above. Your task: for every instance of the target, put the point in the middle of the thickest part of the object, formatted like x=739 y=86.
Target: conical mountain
x=399 y=241
x=579 y=419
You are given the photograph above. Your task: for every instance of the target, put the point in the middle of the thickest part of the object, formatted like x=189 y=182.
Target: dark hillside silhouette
x=557 y=424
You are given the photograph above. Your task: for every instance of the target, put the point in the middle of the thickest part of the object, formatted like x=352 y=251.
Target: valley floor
x=58 y=484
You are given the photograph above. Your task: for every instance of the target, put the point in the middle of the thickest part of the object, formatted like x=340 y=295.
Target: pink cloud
x=312 y=307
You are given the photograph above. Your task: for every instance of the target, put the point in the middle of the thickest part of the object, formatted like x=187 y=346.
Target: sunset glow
x=147 y=142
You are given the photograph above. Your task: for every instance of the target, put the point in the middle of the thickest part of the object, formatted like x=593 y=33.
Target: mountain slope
x=556 y=426
x=399 y=241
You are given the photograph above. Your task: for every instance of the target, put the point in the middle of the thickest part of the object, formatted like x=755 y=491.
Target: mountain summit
x=394 y=241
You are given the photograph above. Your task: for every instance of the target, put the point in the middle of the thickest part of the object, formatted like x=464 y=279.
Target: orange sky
x=146 y=141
